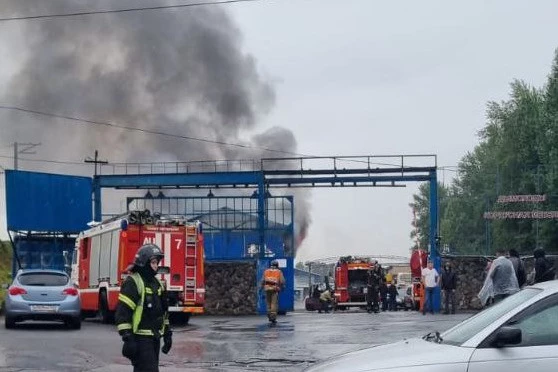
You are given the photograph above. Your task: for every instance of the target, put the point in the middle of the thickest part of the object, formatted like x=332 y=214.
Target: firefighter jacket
x=142 y=307
x=374 y=278
x=273 y=280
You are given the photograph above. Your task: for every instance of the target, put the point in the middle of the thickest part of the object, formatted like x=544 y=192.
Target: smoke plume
x=175 y=71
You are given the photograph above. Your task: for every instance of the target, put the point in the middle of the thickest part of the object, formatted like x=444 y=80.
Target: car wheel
x=9 y=322
x=74 y=323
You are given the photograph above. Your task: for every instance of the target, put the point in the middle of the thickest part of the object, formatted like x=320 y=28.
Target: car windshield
x=470 y=327
x=43 y=279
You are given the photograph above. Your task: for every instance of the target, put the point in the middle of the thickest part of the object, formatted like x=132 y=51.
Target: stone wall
x=230 y=288
x=470 y=272
x=470 y=278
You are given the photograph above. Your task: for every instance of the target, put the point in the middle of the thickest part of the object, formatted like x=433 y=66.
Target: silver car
x=38 y=294
x=517 y=334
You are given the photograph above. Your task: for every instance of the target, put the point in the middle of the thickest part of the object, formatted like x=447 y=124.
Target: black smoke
x=177 y=71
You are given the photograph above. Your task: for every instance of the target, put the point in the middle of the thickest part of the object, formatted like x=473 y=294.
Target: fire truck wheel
x=104 y=312
x=88 y=314
x=179 y=318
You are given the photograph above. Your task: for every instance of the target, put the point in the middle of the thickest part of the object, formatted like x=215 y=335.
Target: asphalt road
x=216 y=343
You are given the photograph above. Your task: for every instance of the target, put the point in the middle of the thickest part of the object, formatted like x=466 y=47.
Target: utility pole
x=25 y=150
x=309 y=263
x=96 y=161
x=96 y=190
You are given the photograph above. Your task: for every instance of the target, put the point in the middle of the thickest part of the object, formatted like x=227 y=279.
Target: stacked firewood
x=230 y=288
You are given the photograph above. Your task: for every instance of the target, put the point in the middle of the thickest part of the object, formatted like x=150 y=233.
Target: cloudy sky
x=341 y=77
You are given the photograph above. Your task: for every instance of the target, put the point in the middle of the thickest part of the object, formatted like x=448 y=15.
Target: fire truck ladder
x=190 y=272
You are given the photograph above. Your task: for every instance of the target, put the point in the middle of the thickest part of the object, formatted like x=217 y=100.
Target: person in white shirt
x=430 y=280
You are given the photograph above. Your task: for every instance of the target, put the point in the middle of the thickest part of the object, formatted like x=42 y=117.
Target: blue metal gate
x=231 y=230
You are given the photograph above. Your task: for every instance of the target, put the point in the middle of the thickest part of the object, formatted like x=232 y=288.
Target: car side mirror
x=507 y=336
x=163 y=270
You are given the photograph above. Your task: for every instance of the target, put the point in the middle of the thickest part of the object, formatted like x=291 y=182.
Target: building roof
x=232 y=219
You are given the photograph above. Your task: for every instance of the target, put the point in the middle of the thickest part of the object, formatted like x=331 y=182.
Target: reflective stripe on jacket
x=137 y=308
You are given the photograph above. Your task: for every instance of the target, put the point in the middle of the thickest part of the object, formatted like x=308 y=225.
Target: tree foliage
x=5 y=267
x=517 y=154
x=421 y=207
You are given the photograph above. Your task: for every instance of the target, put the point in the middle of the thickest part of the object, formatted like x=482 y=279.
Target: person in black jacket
x=142 y=312
x=374 y=280
x=544 y=269
x=384 y=295
x=449 y=284
x=392 y=293
x=518 y=267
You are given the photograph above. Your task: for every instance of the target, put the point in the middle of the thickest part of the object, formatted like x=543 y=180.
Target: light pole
x=25 y=150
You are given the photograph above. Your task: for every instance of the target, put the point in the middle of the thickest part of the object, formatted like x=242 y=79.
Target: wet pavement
x=298 y=340
x=208 y=343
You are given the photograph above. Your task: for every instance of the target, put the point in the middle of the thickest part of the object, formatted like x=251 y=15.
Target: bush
x=5 y=269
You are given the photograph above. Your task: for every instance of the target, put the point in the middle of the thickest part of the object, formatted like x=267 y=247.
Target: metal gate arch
x=265 y=174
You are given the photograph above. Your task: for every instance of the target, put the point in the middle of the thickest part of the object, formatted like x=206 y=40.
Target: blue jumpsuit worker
x=142 y=312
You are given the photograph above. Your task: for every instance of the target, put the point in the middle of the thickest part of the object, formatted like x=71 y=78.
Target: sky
x=351 y=77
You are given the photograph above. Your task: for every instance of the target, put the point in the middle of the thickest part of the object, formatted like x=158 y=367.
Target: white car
x=517 y=334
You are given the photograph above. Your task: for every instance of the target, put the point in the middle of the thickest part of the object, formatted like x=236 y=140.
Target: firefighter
x=273 y=281
x=374 y=280
x=142 y=312
x=325 y=300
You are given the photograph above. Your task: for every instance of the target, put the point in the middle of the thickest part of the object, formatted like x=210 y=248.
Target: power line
x=191 y=138
x=45 y=161
x=126 y=10
x=113 y=125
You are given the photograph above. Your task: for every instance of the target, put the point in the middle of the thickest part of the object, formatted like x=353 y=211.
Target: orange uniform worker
x=273 y=281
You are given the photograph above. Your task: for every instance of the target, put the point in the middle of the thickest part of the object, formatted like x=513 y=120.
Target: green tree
x=517 y=154
x=5 y=266
x=421 y=207
x=549 y=228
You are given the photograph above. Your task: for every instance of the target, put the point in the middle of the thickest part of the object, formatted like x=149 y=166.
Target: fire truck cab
x=351 y=276
x=104 y=252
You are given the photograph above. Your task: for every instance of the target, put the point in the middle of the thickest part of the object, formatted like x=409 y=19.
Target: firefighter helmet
x=147 y=252
x=274 y=263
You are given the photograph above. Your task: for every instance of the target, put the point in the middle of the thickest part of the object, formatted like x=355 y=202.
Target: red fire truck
x=351 y=275
x=103 y=253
